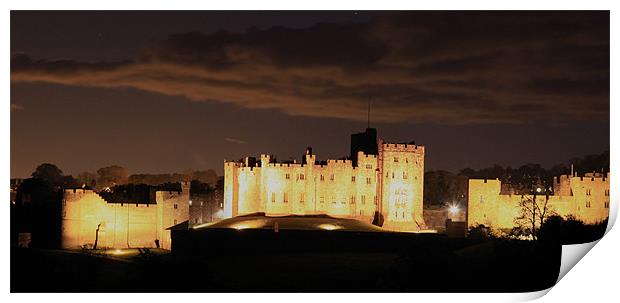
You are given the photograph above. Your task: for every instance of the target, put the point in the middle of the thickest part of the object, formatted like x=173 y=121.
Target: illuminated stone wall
x=586 y=198
x=336 y=188
x=121 y=225
x=402 y=185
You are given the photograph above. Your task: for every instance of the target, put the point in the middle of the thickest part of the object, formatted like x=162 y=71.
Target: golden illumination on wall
x=333 y=188
x=585 y=198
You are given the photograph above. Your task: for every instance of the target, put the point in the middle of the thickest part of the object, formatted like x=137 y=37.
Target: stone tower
x=401 y=185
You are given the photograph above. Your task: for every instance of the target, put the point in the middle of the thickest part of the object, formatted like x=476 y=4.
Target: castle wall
x=206 y=208
x=121 y=225
x=585 y=198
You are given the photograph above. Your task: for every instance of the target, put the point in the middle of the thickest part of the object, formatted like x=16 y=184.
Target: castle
x=584 y=197
x=382 y=182
x=88 y=218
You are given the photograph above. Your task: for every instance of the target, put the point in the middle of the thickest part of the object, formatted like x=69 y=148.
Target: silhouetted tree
x=442 y=187
x=533 y=213
x=111 y=176
x=87 y=178
x=49 y=173
x=206 y=176
x=570 y=230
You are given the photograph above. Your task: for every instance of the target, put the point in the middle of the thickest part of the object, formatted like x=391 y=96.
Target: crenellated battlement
x=340 y=161
x=403 y=147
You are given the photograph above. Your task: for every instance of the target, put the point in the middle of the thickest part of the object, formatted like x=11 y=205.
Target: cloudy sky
x=171 y=91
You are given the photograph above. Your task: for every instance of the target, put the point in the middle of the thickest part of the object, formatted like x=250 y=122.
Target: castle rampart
x=86 y=217
x=586 y=198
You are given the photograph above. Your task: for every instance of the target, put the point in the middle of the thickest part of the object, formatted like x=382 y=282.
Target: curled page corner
x=571 y=254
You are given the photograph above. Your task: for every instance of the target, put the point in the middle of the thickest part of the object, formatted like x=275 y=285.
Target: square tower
x=401 y=185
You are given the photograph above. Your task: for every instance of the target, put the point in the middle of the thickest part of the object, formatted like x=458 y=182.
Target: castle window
x=368 y=181
x=333 y=200
x=363 y=199
x=221 y=205
x=392 y=175
x=352 y=178
x=301 y=177
x=588 y=204
x=322 y=200
x=405 y=175
x=273 y=197
x=190 y=202
x=376 y=200
x=175 y=206
x=607 y=204
x=175 y=221
x=331 y=177
x=395 y=159
x=369 y=166
x=288 y=176
x=406 y=160
x=301 y=198
x=285 y=197
x=322 y=178
x=352 y=200
x=481 y=199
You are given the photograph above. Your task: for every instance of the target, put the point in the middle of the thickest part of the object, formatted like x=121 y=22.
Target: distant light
x=190 y=202
x=329 y=226
x=454 y=209
x=538 y=189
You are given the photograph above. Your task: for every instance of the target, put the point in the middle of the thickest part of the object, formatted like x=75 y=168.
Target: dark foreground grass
x=255 y=263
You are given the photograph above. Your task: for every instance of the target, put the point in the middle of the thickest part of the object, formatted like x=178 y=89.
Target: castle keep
x=386 y=186
x=87 y=216
x=584 y=197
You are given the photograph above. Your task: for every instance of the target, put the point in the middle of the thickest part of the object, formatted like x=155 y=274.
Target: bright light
x=117 y=252
x=454 y=209
x=538 y=189
x=249 y=224
x=329 y=226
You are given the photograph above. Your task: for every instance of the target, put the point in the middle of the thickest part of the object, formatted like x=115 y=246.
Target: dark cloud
x=443 y=67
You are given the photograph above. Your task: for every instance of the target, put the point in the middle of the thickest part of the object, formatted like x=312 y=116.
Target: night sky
x=160 y=92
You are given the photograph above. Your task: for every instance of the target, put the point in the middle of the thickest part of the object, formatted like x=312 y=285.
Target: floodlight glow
x=454 y=209
x=249 y=224
x=329 y=226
